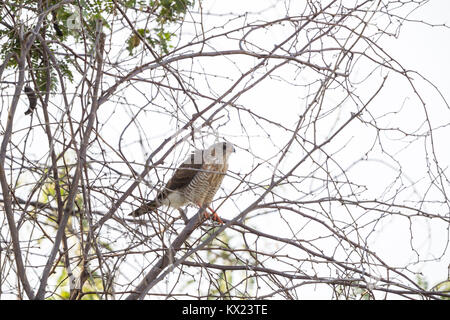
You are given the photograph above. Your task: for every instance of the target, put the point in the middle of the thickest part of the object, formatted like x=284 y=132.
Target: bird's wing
x=184 y=174
x=181 y=178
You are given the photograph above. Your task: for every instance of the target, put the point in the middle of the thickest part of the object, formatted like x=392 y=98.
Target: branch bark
x=80 y=163
x=7 y=199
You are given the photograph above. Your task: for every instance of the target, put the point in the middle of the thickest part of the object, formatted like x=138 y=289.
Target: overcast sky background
x=421 y=48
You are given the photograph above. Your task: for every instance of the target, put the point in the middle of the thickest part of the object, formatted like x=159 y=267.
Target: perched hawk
x=196 y=181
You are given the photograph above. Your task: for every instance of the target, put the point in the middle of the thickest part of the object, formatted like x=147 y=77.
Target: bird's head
x=220 y=151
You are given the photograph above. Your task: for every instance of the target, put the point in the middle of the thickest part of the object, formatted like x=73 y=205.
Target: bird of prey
x=196 y=181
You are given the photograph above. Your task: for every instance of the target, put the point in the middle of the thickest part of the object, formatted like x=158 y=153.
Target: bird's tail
x=150 y=206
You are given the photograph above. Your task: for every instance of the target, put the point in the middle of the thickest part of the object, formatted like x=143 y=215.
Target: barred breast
x=204 y=185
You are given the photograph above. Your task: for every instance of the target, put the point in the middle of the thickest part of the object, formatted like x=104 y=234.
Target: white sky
x=420 y=48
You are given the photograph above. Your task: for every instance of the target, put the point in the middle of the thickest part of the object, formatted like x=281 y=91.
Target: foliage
x=225 y=285
x=443 y=287
x=70 y=21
